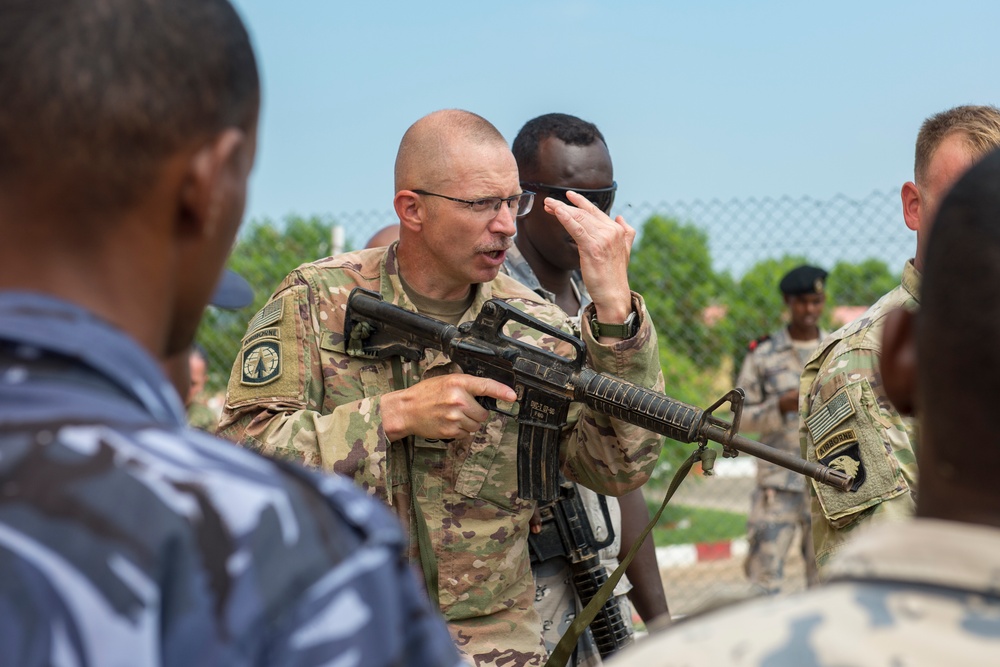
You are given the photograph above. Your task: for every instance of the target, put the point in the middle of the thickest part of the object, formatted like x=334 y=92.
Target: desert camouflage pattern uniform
x=847 y=422
x=296 y=394
x=127 y=538
x=555 y=596
x=772 y=367
x=920 y=593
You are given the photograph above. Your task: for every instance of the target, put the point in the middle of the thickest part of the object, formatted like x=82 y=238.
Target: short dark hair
x=568 y=129
x=959 y=324
x=98 y=92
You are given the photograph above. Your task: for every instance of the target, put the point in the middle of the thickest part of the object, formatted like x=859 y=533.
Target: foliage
x=684 y=524
x=860 y=284
x=265 y=253
x=672 y=268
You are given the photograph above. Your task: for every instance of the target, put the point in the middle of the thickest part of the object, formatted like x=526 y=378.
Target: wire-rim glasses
x=519 y=204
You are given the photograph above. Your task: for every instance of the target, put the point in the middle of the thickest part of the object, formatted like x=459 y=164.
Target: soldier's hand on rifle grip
x=440 y=408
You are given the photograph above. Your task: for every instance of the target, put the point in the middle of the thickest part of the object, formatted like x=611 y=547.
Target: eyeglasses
x=602 y=198
x=519 y=204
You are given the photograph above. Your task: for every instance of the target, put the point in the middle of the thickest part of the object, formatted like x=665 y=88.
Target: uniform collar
x=911 y=280
x=392 y=290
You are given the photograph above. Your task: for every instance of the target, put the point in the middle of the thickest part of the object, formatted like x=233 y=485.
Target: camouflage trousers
x=775 y=514
x=557 y=604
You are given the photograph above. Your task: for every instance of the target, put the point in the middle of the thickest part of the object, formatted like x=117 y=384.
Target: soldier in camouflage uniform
x=770 y=377
x=922 y=591
x=128 y=130
x=413 y=434
x=845 y=419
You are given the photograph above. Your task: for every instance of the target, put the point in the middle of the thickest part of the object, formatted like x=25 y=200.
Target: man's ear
x=910 y=195
x=212 y=170
x=898 y=364
x=409 y=209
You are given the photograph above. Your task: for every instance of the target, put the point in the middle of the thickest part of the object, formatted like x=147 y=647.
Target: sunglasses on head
x=602 y=198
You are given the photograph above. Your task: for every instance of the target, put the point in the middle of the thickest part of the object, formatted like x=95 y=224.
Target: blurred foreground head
x=945 y=362
x=127 y=134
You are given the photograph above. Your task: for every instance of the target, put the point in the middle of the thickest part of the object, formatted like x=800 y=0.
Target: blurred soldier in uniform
x=770 y=376
x=556 y=153
x=846 y=421
x=413 y=433
x=127 y=133
x=922 y=591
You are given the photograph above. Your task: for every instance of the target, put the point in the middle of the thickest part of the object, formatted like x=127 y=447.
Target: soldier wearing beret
x=770 y=377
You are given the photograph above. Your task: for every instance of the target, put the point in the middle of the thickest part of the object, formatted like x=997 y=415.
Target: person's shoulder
x=758 y=344
x=361 y=266
x=762 y=631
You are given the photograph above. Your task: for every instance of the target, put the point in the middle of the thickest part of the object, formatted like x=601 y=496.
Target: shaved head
x=428 y=147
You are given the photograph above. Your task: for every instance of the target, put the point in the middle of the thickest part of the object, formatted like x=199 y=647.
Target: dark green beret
x=803 y=280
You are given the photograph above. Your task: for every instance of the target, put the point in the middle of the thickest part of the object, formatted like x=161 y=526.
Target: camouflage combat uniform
x=847 y=422
x=555 y=596
x=201 y=416
x=295 y=393
x=919 y=593
x=127 y=538
x=772 y=367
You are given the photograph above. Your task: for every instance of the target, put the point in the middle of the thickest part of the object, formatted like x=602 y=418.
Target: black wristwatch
x=627 y=329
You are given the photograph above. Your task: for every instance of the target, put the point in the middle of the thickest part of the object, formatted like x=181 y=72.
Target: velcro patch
x=261 y=362
x=835 y=441
x=849 y=461
x=268 y=315
x=828 y=415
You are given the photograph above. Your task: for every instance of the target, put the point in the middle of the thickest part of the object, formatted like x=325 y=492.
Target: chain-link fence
x=709 y=272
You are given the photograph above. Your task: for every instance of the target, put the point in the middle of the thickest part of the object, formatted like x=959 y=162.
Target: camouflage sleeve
x=760 y=411
x=279 y=404
x=847 y=422
x=605 y=454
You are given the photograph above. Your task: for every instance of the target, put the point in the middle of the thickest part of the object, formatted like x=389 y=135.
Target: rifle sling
x=567 y=644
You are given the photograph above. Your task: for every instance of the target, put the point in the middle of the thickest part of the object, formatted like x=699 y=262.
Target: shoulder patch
x=754 y=343
x=828 y=415
x=261 y=362
x=848 y=460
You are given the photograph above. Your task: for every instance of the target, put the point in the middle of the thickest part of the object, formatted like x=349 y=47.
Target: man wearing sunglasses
x=413 y=433
x=557 y=153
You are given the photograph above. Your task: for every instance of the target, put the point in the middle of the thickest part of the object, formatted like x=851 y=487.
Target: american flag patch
x=831 y=413
x=269 y=314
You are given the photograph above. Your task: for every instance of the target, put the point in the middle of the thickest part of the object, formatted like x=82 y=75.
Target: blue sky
x=715 y=99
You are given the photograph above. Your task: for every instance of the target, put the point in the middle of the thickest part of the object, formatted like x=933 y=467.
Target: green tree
x=264 y=254
x=672 y=268
x=860 y=284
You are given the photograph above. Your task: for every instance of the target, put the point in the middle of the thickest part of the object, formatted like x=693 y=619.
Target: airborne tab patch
x=836 y=440
x=831 y=413
x=261 y=362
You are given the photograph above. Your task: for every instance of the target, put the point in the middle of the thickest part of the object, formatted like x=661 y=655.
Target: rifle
x=566 y=532
x=546 y=383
